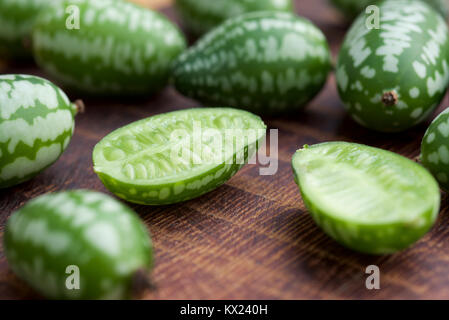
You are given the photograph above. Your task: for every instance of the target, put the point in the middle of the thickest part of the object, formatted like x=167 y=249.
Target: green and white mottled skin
x=368 y=199
x=435 y=149
x=136 y=162
x=94 y=232
x=120 y=48
x=200 y=16
x=351 y=8
x=16 y=23
x=36 y=125
x=264 y=62
x=393 y=78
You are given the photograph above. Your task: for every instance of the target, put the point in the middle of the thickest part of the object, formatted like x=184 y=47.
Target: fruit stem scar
x=390 y=98
x=80 y=106
x=141 y=283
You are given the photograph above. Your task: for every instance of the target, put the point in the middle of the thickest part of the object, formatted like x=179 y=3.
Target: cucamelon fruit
x=78 y=245
x=16 y=23
x=264 y=62
x=200 y=16
x=177 y=156
x=36 y=125
x=119 y=47
x=435 y=149
x=369 y=200
x=393 y=78
x=351 y=8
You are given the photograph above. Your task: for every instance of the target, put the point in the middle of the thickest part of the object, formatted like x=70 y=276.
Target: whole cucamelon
x=351 y=8
x=177 y=156
x=119 y=47
x=435 y=149
x=368 y=199
x=392 y=78
x=78 y=245
x=16 y=23
x=264 y=62
x=36 y=125
x=200 y=16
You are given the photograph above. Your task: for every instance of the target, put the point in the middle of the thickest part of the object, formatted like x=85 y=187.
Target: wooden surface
x=252 y=238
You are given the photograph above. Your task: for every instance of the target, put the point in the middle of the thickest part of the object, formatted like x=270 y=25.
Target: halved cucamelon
x=78 y=245
x=36 y=125
x=370 y=200
x=200 y=16
x=177 y=156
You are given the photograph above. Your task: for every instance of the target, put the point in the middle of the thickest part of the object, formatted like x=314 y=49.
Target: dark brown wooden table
x=252 y=238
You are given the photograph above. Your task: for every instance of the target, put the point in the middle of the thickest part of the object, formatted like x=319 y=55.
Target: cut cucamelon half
x=370 y=200
x=177 y=156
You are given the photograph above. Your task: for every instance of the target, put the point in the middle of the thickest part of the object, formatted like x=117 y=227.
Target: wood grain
x=252 y=238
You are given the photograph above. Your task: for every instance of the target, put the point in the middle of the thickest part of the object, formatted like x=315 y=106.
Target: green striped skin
x=351 y=8
x=120 y=48
x=102 y=237
x=201 y=16
x=36 y=125
x=16 y=22
x=369 y=200
x=264 y=62
x=393 y=78
x=142 y=162
x=435 y=149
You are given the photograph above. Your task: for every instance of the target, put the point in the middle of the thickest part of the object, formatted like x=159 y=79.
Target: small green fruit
x=368 y=199
x=200 y=16
x=264 y=62
x=393 y=78
x=78 y=245
x=117 y=48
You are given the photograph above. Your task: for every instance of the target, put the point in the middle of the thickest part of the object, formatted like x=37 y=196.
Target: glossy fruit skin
x=98 y=234
x=265 y=62
x=119 y=49
x=201 y=16
x=393 y=78
x=351 y=8
x=435 y=149
x=16 y=22
x=197 y=179
x=36 y=125
x=372 y=235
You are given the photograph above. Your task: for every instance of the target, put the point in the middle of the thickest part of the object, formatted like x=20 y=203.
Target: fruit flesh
x=368 y=199
x=147 y=162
